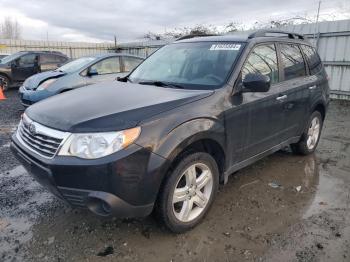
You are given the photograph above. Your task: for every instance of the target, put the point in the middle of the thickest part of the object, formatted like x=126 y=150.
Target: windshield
x=10 y=58
x=196 y=65
x=75 y=64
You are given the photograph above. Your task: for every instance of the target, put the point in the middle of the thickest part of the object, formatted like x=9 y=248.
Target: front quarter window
x=193 y=65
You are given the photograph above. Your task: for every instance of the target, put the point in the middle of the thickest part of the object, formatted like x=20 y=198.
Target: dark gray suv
x=165 y=136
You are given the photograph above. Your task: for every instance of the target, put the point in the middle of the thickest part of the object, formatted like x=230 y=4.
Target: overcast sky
x=98 y=21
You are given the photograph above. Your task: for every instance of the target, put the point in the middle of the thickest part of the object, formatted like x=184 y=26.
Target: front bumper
x=124 y=184
x=29 y=97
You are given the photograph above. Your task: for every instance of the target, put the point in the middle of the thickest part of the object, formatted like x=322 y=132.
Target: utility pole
x=115 y=43
x=316 y=24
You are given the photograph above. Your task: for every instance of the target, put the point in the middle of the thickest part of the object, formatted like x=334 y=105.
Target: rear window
x=292 y=61
x=312 y=58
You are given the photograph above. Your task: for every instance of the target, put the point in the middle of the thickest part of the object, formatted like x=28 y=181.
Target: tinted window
x=292 y=61
x=27 y=59
x=107 y=66
x=130 y=63
x=312 y=58
x=262 y=60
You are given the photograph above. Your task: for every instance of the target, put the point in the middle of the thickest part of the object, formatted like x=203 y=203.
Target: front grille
x=40 y=139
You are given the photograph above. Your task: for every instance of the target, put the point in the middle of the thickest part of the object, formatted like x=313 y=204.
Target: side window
x=312 y=58
x=46 y=58
x=60 y=59
x=26 y=60
x=130 y=63
x=292 y=61
x=107 y=66
x=262 y=60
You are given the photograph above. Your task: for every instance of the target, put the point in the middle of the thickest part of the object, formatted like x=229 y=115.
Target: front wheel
x=311 y=135
x=188 y=192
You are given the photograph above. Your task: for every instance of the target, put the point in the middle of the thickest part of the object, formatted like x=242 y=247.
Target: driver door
x=262 y=122
x=24 y=67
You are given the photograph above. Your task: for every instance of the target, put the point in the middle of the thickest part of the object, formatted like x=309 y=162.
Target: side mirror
x=92 y=72
x=256 y=83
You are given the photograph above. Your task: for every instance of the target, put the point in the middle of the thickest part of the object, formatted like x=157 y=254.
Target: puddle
x=329 y=195
x=21 y=201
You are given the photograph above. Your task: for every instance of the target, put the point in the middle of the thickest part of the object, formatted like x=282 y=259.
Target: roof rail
x=193 y=35
x=55 y=52
x=263 y=33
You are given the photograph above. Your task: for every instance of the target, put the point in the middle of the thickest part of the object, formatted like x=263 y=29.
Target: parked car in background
x=15 y=68
x=2 y=55
x=190 y=115
x=77 y=73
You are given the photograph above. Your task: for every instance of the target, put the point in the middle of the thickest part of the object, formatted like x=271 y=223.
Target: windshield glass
x=75 y=64
x=10 y=58
x=196 y=65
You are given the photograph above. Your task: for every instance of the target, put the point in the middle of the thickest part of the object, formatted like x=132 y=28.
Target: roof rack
x=193 y=35
x=263 y=33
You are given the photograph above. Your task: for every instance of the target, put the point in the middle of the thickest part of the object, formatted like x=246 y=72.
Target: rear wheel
x=4 y=82
x=311 y=135
x=188 y=192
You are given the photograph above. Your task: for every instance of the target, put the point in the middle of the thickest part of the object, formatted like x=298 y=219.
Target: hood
x=110 y=106
x=34 y=81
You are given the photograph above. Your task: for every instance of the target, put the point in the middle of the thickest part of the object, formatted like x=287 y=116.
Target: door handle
x=281 y=98
x=312 y=87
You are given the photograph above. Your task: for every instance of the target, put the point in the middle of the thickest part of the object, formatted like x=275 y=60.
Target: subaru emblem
x=32 y=129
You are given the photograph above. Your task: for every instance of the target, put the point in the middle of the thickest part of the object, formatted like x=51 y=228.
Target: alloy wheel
x=192 y=192
x=313 y=133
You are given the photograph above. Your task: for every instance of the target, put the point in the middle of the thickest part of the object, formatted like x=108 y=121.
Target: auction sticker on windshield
x=220 y=47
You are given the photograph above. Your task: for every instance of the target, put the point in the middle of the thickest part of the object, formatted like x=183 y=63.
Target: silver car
x=77 y=73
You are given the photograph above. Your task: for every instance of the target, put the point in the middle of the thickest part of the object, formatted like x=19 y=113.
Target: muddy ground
x=250 y=220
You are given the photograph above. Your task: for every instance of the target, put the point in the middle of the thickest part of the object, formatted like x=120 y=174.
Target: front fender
x=174 y=141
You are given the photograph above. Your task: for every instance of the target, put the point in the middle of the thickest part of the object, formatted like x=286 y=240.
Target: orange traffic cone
x=2 y=96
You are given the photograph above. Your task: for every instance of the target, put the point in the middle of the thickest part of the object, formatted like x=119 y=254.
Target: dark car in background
x=77 y=73
x=191 y=114
x=15 y=68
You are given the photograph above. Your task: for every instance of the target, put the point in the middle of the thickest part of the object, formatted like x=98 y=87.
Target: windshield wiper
x=162 y=84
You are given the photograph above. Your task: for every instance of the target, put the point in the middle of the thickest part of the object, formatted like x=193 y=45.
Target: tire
x=5 y=81
x=309 y=140
x=192 y=202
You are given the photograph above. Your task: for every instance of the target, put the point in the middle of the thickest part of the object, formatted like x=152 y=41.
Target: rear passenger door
x=295 y=89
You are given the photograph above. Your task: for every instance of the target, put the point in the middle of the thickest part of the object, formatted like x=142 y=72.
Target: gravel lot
x=250 y=220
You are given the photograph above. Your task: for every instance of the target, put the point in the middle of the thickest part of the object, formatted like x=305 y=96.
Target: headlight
x=96 y=145
x=46 y=84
